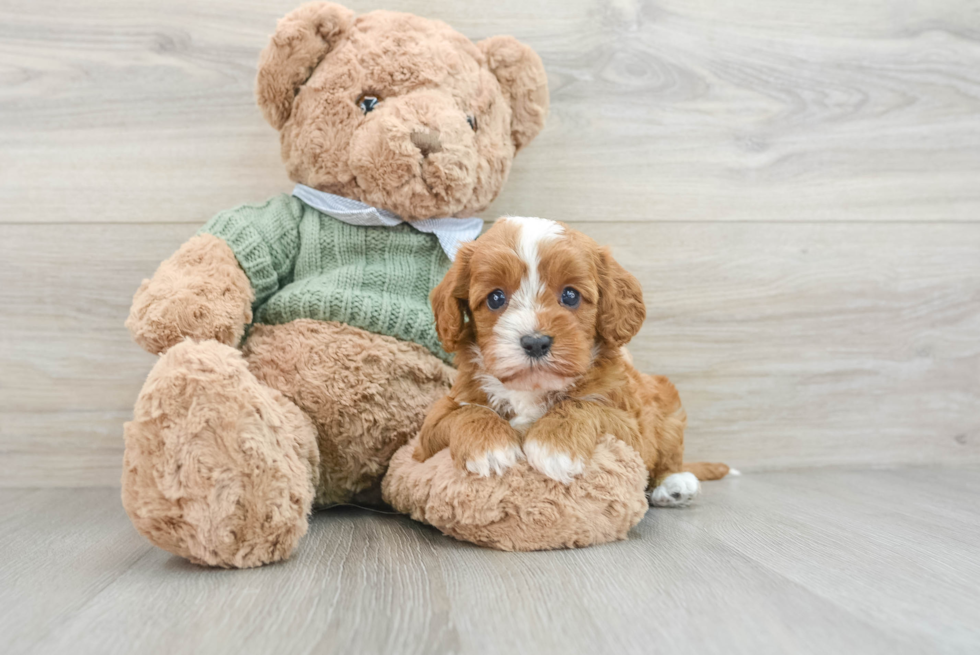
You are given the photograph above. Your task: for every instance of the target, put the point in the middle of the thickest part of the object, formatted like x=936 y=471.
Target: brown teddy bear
x=298 y=350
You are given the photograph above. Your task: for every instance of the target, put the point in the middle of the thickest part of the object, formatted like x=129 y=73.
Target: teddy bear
x=297 y=350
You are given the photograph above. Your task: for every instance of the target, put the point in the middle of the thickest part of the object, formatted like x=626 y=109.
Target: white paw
x=556 y=465
x=677 y=490
x=496 y=461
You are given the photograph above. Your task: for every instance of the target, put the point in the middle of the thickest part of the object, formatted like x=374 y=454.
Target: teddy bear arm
x=199 y=292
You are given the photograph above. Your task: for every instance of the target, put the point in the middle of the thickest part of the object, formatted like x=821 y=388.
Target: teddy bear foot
x=219 y=468
x=523 y=508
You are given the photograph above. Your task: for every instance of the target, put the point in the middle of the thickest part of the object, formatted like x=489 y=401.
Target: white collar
x=452 y=232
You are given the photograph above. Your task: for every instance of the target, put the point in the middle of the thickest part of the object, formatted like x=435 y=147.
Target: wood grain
x=793 y=182
x=791 y=562
x=819 y=344
x=58 y=550
x=123 y=111
x=801 y=344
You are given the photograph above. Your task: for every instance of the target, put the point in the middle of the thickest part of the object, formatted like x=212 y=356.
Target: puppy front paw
x=491 y=449
x=677 y=490
x=493 y=461
x=557 y=465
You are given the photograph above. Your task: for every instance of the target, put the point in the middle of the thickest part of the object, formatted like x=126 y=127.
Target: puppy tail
x=708 y=470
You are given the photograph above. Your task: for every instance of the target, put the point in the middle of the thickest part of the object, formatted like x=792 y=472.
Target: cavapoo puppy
x=538 y=315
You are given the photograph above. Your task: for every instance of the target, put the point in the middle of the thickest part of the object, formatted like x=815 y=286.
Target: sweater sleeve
x=265 y=240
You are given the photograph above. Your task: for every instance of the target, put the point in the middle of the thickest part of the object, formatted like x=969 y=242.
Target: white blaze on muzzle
x=520 y=317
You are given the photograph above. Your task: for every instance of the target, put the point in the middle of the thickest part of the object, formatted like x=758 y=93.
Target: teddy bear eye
x=496 y=299
x=368 y=103
x=570 y=297
x=472 y=121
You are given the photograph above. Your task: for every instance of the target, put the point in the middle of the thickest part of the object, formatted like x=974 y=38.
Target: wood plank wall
x=796 y=184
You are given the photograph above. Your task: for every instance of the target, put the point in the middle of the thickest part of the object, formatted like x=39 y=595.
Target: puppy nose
x=427 y=141
x=537 y=345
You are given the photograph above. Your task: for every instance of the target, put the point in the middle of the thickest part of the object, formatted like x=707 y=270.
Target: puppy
x=538 y=315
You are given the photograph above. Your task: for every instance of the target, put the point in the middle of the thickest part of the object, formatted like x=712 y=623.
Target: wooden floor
x=823 y=561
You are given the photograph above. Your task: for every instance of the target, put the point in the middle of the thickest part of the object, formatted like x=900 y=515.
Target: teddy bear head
x=398 y=111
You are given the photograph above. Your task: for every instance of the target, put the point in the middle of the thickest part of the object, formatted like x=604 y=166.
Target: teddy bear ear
x=524 y=82
x=302 y=39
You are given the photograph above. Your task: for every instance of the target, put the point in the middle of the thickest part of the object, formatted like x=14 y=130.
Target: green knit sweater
x=305 y=264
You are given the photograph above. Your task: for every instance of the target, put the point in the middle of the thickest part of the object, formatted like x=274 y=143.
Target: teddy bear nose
x=427 y=141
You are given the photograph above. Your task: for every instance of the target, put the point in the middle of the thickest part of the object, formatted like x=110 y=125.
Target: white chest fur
x=525 y=407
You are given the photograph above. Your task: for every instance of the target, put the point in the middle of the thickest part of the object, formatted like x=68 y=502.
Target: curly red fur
x=557 y=407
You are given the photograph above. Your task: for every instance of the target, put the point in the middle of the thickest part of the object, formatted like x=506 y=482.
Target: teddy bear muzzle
x=416 y=155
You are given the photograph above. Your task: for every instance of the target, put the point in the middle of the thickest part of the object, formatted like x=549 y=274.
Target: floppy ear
x=302 y=39
x=449 y=300
x=621 y=309
x=521 y=74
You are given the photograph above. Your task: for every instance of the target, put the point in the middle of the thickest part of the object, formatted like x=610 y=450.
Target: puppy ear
x=302 y=39
x=449 y=300
x=621 y=309
x=524 y=82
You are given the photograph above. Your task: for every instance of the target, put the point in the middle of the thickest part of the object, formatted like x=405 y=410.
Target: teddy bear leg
x=367 y=395
x=218 y=468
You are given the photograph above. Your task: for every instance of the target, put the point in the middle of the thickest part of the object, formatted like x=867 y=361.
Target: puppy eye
x=472 y=121
x=368 y=103
x=570 y=297
x=496 y=299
